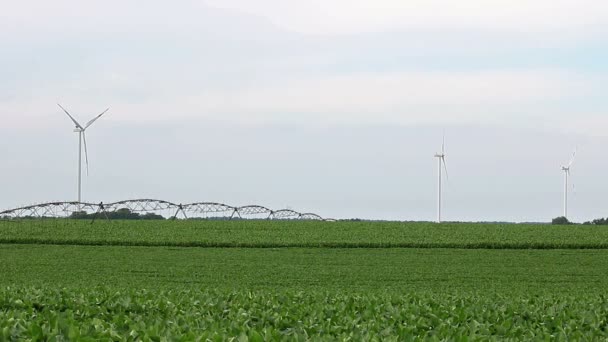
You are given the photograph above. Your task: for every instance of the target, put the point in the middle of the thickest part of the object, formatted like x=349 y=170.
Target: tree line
x=120 y=214
x=564 y=221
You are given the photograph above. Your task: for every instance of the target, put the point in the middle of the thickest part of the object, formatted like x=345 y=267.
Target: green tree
x=560 y=221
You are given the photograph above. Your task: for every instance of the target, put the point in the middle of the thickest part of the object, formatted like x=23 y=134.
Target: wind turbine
x=566 y=170
x=441 y=162
x=82 y=138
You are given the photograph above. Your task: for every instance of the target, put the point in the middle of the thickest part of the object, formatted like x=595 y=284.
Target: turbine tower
x=566 y=170
x=82 y=138
x=441 y=163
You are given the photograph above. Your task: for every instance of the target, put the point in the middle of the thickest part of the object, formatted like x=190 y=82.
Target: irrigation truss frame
x=190 y=210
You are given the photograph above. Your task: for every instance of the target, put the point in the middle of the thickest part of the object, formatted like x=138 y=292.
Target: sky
x=334 y=107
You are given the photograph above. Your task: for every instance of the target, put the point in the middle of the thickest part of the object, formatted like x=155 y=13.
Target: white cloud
x=296 y=79
x=402 y=98
x=49 y=21
x=585 y=124
x=567 y=17
x=354 y=16
x=525 y=97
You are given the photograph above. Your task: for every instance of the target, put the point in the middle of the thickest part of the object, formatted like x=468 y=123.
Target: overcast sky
x=335 y=107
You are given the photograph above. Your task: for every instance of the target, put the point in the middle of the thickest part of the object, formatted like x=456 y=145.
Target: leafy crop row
x=123 y=315
x=368 y=270
x=272 y=234
x=128 y=280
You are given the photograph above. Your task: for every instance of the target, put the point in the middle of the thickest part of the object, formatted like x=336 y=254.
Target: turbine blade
x=443 y=144
x=86 y=152
x=445 y=167
x=71 y=117
x=573 y=187
x=95 y=119
x=573 y=157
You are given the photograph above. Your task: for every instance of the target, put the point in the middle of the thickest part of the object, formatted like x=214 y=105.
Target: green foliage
x=399 y=270
x=598 y=222
x=271 y=234
x=120 y=214
x=560 y=221
x=133 y=280
x=200 y=315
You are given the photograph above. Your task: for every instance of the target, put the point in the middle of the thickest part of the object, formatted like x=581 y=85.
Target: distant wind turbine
x=82 y=138
x=567 y=174
x=441 y=163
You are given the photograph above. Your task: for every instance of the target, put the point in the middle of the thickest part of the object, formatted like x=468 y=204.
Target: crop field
x=266 y=233
x=283 y=280
x=288 y=315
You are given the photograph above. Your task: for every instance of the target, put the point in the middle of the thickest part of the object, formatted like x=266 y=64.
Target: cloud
x=555 y=20
x=348 y=16
x=585 y=124
x=189 y=61
x=48 y=22
x=515 y=97
x=403 y=98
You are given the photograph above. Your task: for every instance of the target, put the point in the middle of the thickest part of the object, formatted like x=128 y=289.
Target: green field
x=187 y=315
x=378 y=269
x=278 y=280
x=265 y=233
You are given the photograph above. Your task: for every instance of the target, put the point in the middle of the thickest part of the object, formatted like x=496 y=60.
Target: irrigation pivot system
x=208 y=210
x=81 y=130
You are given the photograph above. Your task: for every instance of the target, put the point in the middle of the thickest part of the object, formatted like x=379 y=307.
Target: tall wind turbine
x=441 y=163
x=566 y=170
x=82 y=138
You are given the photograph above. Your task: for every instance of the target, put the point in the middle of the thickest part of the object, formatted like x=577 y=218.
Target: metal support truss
x=286 y=214
x=191 y=210
x=100 y=209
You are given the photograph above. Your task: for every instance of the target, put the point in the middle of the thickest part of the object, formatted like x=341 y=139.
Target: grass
x=273 y=234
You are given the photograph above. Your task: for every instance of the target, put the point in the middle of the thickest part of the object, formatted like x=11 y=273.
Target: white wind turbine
x=441 y=163
x=566 y=170
x=82 y=138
